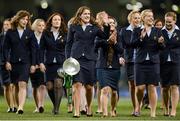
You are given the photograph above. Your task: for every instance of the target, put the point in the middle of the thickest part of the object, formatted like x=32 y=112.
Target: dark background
x=115 y=8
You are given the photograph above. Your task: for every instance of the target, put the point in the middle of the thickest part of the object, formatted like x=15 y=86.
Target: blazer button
x=82 y=54
x=19 y=59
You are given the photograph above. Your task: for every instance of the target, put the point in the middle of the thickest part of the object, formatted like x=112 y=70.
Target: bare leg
x=140 y=94
x=36 y=100
x=83 y=99
x=89 y=95
x=166 y=97
x=42 y=94
x=104 y=100
x=152 y=99
x=113 y=102
x=22 y=94
x=99 y=110
x=77 y=92
x=174 y=99
x=132 y=90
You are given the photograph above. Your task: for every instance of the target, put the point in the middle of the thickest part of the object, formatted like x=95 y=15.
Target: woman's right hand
x=8 y=66
x=42 y=67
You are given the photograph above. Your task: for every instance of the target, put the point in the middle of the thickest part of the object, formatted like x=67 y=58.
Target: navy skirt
x=147 y=73
x=51 y=71
x=86 y=74
x=169 y=74
x=37 y=78
x=130 y=71
x=108 y=77
x=20 y=72
x=5 y=76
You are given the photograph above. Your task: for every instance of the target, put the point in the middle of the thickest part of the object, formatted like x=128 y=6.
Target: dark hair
x=7 y=19
x=63 y=27
x=19 y=15
x=158 y=20
x=77 y=19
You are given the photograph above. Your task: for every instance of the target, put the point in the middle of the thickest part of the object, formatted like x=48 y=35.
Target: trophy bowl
x=71 y=66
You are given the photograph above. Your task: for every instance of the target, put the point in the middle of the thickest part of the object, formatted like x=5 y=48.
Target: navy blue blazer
x=51 y=49
x=2 y=37
x=20 y=49
x=125 y=38
x=172 y=47
x=102 y=46
x=149 y=45
x=37 y=46
x=81 y=43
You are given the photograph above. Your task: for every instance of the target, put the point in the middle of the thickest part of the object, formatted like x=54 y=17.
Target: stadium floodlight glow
x=136 y=6
x=44 y=4
x=129 y=6
x=175 y=8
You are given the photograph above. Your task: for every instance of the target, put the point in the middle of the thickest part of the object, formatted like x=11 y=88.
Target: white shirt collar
x=129 y=28
x=176 y=27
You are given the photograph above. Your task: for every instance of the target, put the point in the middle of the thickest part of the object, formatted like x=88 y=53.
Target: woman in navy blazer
x=108 y=66
x=19 y=53
x=134 y=19
x=80 y=45
x=170 y=60
x=37 y=78
x=4 y=74
x=52 y=56
x=148 y=41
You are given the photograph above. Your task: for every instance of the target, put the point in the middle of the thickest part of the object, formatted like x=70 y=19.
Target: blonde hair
x=129 y=17
x=171 y=14
x=36 y=22
x=143 y=14
x=99 y=18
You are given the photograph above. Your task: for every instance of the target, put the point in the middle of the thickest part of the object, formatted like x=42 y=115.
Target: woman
x=134 y=19
x=37 y=78
x=148 y=41
x=80 y=45
x=52 y=56
x=170 y=60
x=108 y=66
x=5 y=76
x=19 y=52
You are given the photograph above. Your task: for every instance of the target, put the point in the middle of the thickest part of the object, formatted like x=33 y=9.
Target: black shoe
x=20 y=112
x=136 y=114
x=89 y=115
x=83 y=112
x=76 y=116
x=97 y=112
x=41 y=109
x=10 y=110
x=70 y=112
x=14 y=110
x=56 y=112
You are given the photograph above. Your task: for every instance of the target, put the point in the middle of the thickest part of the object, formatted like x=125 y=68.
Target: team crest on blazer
x=177 y=38
x=155 y=38
x=59 y=37
x=90 y=31
x=174 y=35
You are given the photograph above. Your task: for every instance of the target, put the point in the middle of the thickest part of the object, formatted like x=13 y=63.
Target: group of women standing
x=148 y=53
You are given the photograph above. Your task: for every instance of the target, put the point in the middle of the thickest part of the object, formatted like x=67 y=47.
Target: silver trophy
x=70 y=67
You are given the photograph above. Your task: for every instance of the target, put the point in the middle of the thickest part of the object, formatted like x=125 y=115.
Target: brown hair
x=171 y=14
x=77 y=19
x=63 y=27
x=19 y=15
x=158 y=20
